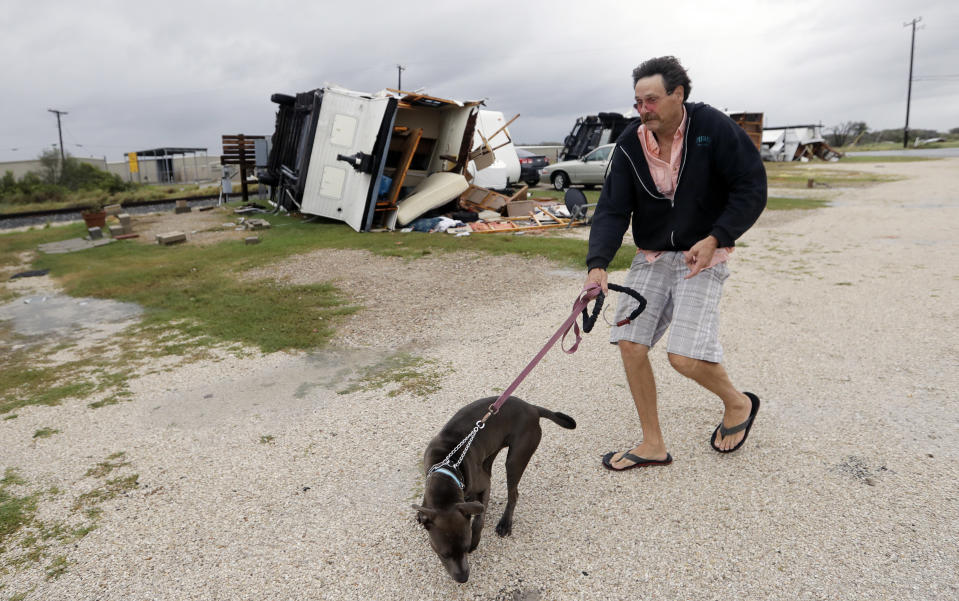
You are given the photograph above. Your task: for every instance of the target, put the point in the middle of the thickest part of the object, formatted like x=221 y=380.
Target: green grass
x=110 y=490
x=201 y=293
x=401 y=373
x=885 y=159
x=104 y=468
x=15 y=511
x=45 y=433
x=896 y=146
x=797 y=175
x=777 y=203
x=26 y=541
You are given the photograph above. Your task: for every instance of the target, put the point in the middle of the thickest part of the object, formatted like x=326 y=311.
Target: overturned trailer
x=592 y=132
x=796 y=143
x=361 y=158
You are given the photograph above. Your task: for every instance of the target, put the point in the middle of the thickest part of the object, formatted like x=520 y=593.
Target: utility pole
x=63 y=158
x=912 y=51
x=399 y=76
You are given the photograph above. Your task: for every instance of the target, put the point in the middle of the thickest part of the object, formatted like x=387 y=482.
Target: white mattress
x=434 y=191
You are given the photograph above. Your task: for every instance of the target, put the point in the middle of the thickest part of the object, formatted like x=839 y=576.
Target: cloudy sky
x=138 y=75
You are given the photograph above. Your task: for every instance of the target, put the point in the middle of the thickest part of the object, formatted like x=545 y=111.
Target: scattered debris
x=171 y=238
x=796 y=143
x=256 y=224
x=30 y=274
x=752 y=123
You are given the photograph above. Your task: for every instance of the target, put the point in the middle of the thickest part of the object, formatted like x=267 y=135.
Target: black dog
x=455 y=498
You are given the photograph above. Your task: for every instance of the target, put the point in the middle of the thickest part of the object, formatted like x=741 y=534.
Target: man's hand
x=700 y=255
x=597 y=275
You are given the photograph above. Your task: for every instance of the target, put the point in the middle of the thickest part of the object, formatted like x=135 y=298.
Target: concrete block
x=117 y=230
x=178 y=210
x=257 y=224
x=113 y=209
x=171 y=238
x=181 y=203
x=252 y=239
x=95 y=233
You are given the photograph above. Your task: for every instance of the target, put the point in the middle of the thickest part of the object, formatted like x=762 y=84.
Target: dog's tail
x=560 y=418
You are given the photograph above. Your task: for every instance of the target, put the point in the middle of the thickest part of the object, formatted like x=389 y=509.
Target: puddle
x=46 y=314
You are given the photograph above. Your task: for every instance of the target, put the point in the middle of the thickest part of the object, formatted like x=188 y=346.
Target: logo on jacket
x=703 y=140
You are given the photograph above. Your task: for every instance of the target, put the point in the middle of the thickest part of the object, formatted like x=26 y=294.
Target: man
x=692 y=182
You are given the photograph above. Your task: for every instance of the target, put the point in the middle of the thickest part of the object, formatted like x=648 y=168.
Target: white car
x=588 y=171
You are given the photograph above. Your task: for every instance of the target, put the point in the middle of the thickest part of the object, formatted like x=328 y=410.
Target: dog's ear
x=424 y=515
x=471 y=508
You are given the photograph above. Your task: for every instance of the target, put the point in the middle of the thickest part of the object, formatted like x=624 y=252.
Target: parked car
x=529 y=166
x=588 y=171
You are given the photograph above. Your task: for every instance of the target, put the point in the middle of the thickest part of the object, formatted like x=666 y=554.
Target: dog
x=454 y=500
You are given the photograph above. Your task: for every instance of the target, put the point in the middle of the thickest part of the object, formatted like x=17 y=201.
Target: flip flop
x=746 y=425
x=637 y=461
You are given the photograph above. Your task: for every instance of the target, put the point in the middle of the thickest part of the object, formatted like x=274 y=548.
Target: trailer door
x=347 y=159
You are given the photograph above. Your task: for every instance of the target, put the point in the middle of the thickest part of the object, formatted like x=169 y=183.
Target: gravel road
x=257 y=480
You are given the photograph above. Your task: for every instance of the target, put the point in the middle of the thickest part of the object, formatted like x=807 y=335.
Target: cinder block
x=95 y=233
x=181 y=203
x=178 y=210
x=117 y=230
x=257 y=224
x=171 y=238
x=113 y=209
x=252 y=239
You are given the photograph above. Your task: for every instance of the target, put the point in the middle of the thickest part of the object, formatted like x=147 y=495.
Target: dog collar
x=444 y=471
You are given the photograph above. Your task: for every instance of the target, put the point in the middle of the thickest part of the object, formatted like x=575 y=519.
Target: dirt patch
x=202 y=228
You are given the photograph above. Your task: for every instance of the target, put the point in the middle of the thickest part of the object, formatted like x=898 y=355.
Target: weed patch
x=45 y=433
x=777 y=203
x=103 y=469
x=402 y=373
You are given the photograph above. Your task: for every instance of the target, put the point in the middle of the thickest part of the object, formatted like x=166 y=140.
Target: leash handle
x=590 y=320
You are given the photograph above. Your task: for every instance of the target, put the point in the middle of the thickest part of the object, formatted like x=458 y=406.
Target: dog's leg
x=478 y=521
x=520 y=452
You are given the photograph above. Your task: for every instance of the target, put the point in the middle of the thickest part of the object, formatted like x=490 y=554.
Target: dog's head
x=450 y=534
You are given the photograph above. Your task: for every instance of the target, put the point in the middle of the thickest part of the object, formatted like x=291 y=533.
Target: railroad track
x=15 y=220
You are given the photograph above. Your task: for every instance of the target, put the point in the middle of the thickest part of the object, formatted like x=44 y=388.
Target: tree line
x=57 y=179
x=857 y=132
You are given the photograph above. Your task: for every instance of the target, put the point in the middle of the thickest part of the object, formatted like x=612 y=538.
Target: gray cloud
x=135 y=76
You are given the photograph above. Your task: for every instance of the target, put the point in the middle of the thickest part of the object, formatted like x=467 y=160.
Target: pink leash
x=590 y=292
x=586 y=296
x=582 y=301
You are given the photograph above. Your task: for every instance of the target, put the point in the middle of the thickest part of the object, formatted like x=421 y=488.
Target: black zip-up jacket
x=721 y=190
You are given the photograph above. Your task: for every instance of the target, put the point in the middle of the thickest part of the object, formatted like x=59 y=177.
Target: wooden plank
x=399 y=176
x=526 y=228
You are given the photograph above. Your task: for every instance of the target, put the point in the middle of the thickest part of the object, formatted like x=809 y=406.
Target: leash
x=590 y=292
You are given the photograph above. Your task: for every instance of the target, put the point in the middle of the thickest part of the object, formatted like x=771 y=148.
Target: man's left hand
x=701 y=255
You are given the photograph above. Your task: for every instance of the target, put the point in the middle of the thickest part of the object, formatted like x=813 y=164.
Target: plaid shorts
x=689 y=308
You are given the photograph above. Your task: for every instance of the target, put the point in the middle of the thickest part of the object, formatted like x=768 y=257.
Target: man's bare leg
x=642 y=385
x=713 y=377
